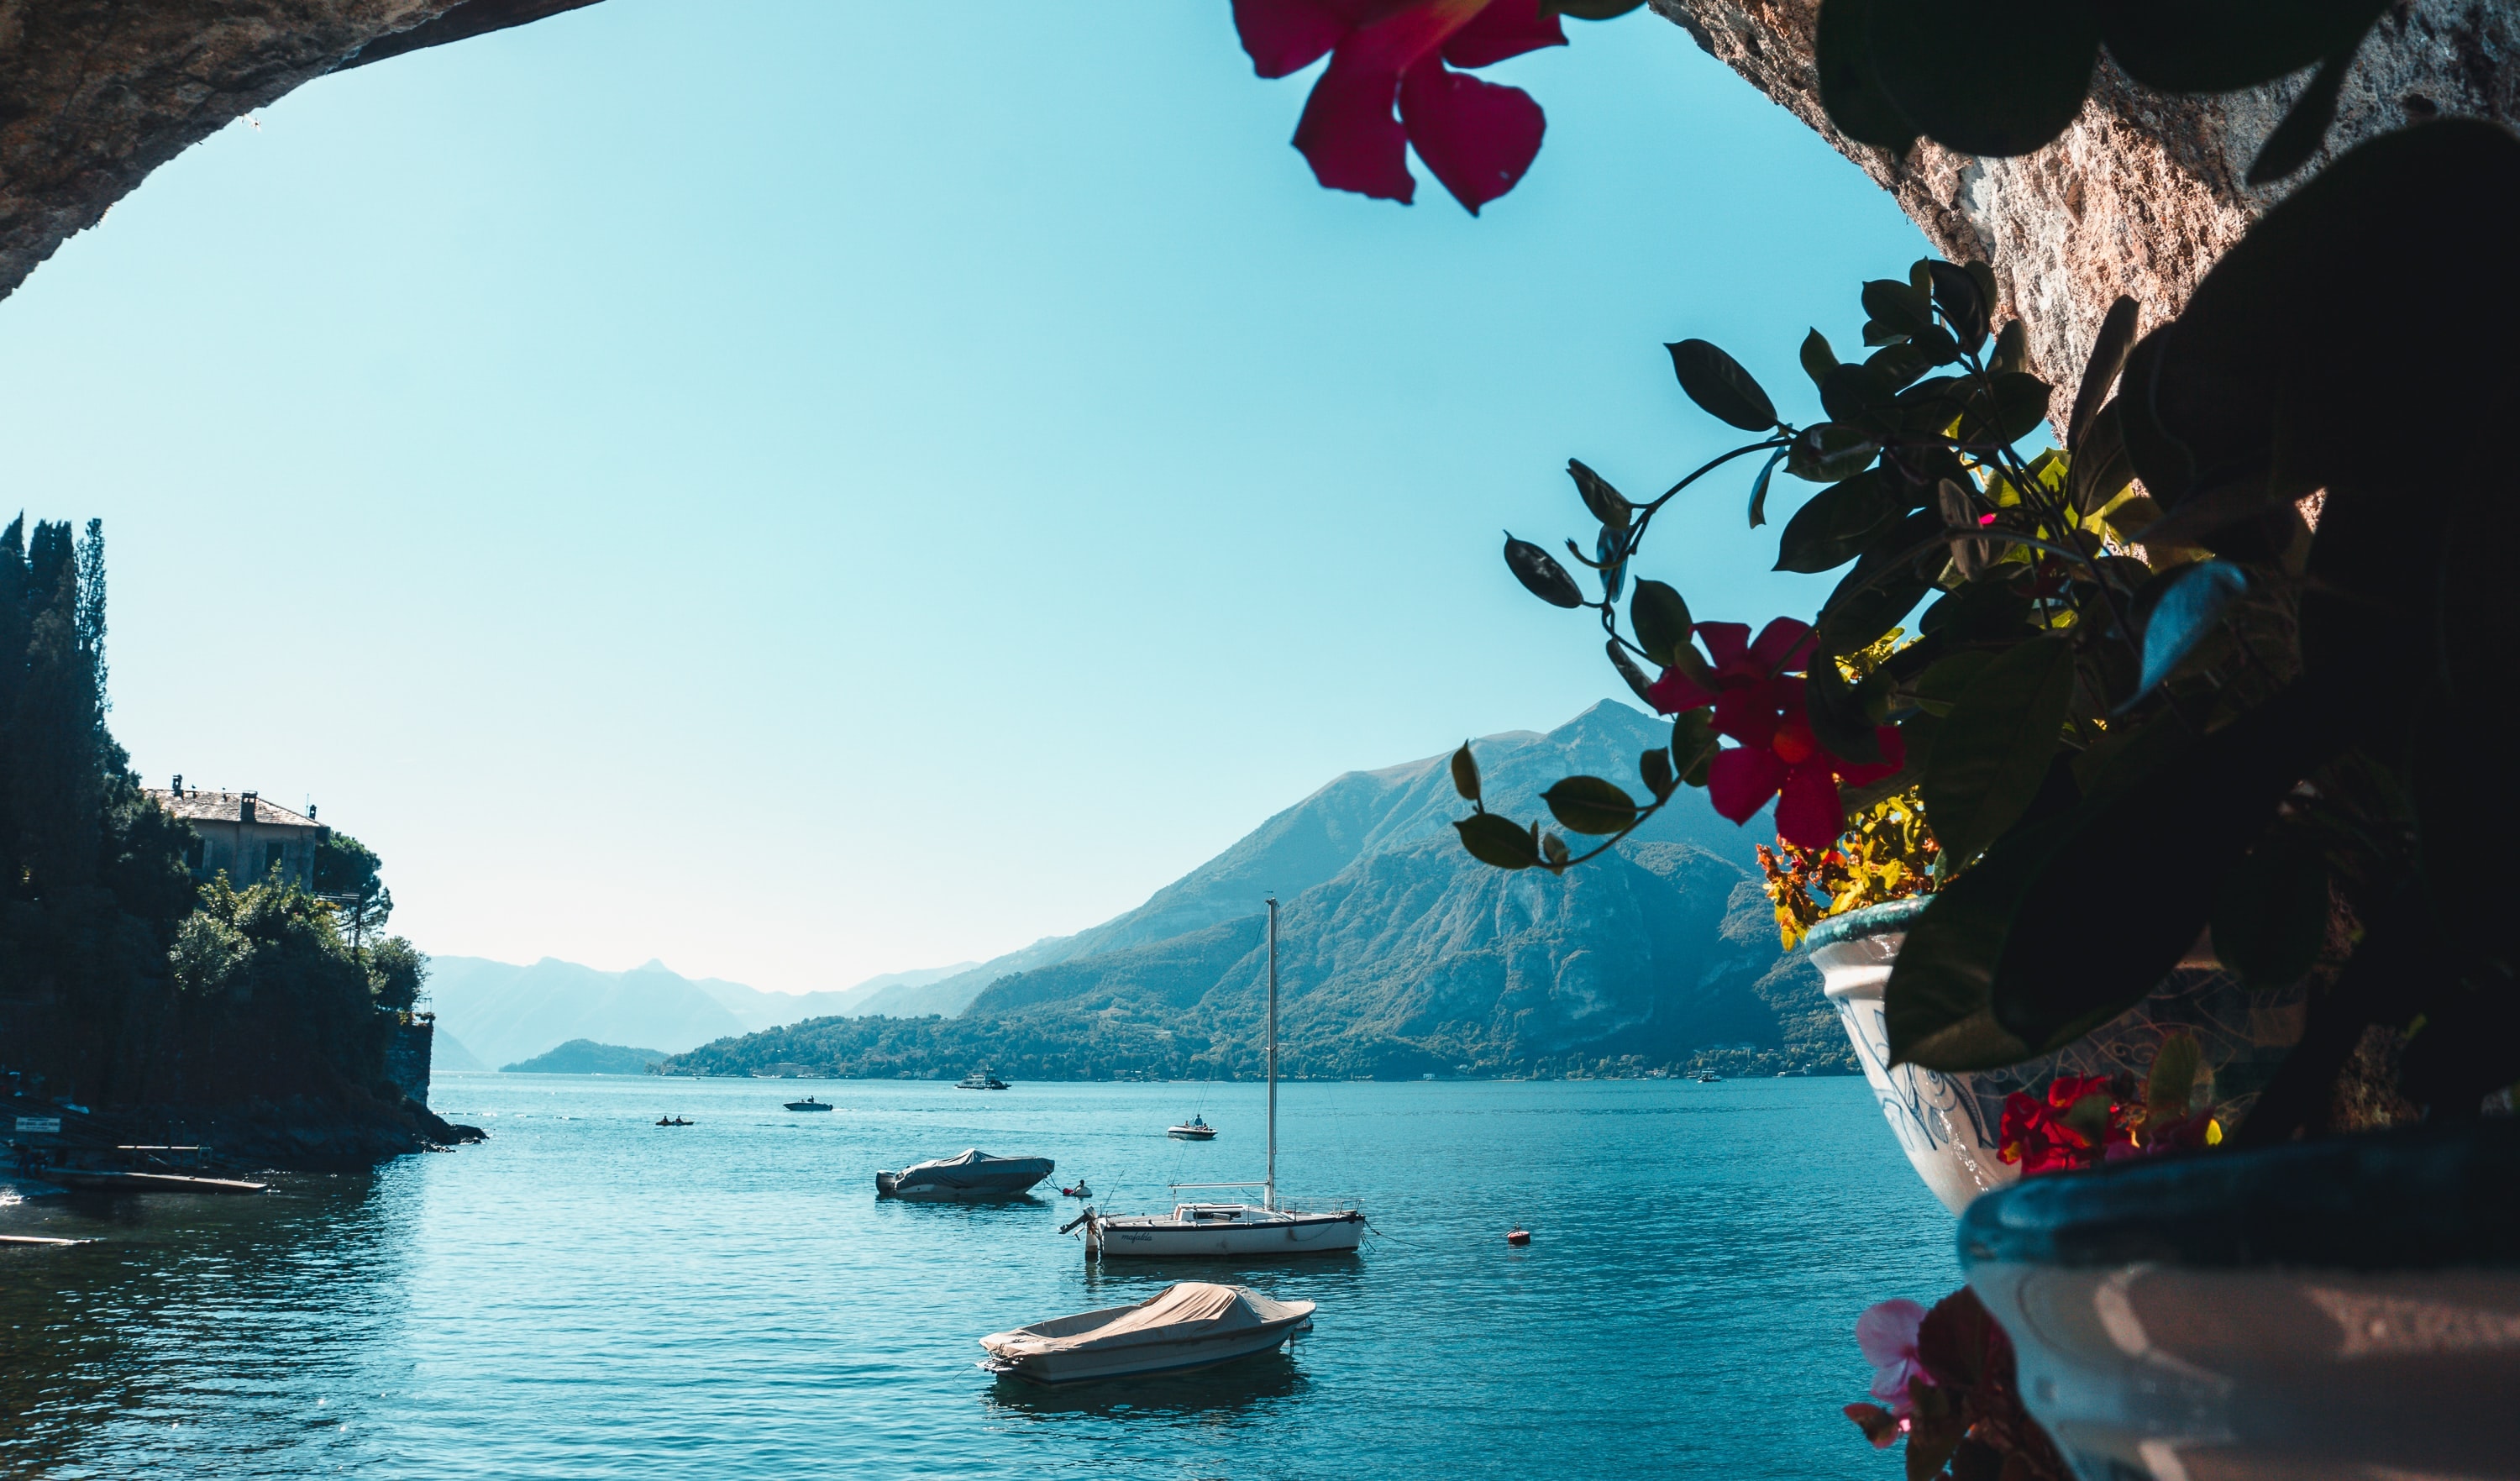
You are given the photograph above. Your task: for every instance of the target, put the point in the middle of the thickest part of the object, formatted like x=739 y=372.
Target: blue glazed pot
x=2343 y=1307
x=1948 y=1124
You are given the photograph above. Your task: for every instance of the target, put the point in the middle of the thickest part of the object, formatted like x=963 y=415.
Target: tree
x=346 y=873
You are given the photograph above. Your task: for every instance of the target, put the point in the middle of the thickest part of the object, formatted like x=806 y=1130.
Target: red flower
x=2033 y=1136
x=1761 y=707
x=1477 y=137
x=2036 y=1136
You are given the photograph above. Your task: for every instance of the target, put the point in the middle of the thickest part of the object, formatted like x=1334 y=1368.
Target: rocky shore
x=301 y=1134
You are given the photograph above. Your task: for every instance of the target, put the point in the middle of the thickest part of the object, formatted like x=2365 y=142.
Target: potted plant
x=2133 y=721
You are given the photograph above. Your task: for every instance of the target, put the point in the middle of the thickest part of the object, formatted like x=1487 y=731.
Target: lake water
x=589 y=1296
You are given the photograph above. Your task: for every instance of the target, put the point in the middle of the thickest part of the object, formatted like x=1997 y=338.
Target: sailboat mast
x=1272 y=1191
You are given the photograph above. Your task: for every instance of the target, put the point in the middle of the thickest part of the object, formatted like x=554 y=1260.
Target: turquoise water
x=587 y=1296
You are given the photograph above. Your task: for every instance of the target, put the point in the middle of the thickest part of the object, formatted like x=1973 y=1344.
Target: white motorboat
x=1195 y=1129
x=1206 y=1227
x=1187 y=1324
x=971 y=1178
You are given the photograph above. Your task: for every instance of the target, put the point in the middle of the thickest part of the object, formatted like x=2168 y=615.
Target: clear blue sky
x=806 y=490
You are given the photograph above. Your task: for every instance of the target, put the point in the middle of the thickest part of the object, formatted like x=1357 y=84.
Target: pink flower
x=1887 y=1333
x=1477 y=137
x=1761 y=707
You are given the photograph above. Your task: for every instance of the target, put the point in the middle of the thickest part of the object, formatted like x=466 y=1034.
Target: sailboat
x=1217 y=1225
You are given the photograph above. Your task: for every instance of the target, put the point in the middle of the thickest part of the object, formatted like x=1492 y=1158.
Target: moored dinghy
x=1188 y=1325
x=969 y=1178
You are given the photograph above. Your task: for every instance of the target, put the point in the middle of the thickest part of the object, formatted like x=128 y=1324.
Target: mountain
x=585 y=1056
x=502 y=1012
x=1398 y=953
x=505 y=1012
x=446 y=1052
x=1355 y=815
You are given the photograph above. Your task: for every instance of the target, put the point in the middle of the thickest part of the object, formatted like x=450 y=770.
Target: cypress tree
x=57 y=776
x=12 y=679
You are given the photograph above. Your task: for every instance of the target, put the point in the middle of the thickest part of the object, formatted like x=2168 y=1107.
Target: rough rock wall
x=95 y=94
x=2143 y=191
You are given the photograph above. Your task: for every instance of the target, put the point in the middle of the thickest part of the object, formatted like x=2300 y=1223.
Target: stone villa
x=243 y=834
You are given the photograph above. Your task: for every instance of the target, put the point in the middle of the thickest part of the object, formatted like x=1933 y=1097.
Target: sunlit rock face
x=95 y=94
x=2145 y=190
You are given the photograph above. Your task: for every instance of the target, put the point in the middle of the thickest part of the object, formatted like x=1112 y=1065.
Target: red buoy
x=1517 y=1237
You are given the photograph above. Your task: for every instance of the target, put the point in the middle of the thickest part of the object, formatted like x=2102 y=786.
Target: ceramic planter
x=1948 y=1124
x=2343 y=1308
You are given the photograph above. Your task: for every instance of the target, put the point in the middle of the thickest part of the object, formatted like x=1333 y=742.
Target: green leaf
x=1589 y=805
x=1831 y=452
x=1938 y=1005
x=2305 y=124
x=1940 y=687
x=1996 y=746
x=1897 y=365
x=1964 y=308
x=2190 y=603
x=1466 y=773
x=1607 y=503
x=1721 y=388
x=2100 y=372
x=2012 y=355
x=1497 y=840
x=1693 y=744
x=1839 y=720
x=2011 y=411
x=1554 y=849
x=1662 y=620
x=1984 y=77
x=1849 y=89
x=1539 y=573
x=1854 y=393
x=2101 y=469
x=1864 y=607
x=1634 y=677
x=2170 y=1086
x=1655 y=767
x=1896 y=307
x=2220 y=46
x=1759 y=488
x=1817 y=358
x=2271 y=914
x=1988 y=611
x=1832 y=526
x=2058 y=976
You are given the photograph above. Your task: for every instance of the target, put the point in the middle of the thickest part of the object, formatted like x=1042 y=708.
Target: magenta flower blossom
x=1761 y=707
x=1386 y=54
x=1887 y=1333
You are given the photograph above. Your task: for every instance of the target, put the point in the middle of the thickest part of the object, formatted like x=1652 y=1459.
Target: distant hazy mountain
x=585 y=1056
x=1398 y=953
x=1359 y=814
x=446 y=1052
x=494 y=1013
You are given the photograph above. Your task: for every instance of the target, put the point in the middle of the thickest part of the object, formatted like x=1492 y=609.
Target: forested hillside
x=1408 y=959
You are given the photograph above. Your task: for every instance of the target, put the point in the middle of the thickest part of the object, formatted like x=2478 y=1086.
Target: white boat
x=1195 y=1129
x=1204 y=1226
x=971 y=1178
x=979 y=1079
x=1187 y=1324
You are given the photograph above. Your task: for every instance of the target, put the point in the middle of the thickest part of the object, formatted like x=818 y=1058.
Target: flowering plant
x=2133 y=710
x=1390 y=86
x=1944 y=1383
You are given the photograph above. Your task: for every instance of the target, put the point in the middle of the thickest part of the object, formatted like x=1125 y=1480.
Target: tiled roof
x=198 y=805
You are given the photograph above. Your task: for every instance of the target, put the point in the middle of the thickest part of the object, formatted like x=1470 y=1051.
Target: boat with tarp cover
x=970 y=1178
x=1219 y=1226
x=1187 y=1324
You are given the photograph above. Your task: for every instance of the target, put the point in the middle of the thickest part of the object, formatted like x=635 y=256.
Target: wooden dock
x=148 y=1182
